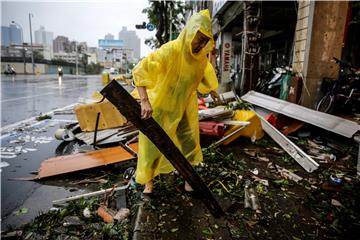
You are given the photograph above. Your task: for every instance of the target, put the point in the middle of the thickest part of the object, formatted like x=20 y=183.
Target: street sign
x=141 y=26
x=150 y=27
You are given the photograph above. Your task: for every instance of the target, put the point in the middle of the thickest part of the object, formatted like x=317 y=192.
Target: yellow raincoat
x=172 y=75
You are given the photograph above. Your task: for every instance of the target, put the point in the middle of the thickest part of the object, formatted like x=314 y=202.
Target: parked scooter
x=270 y=81
x=9 y=70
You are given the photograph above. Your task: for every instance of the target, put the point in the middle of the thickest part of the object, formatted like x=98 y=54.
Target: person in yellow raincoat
x=167 y=81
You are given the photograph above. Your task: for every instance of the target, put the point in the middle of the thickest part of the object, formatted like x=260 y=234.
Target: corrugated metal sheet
x=294 y=151
x=326 y=121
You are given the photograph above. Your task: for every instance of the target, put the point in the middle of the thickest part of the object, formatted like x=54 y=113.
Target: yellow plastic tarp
x=253 y=130
x=172 y=75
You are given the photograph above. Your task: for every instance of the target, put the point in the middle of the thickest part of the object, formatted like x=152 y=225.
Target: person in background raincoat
x=167 y=81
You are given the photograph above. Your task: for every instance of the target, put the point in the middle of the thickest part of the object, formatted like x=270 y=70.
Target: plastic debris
x=86 y=212
x=335 y=180
x=4 y=164
x=71 y=221
x=250 y=152
x=7 y=155
x=105 y=214
x=122 y=214
x=255 y=171
x=336 y=203
x=251 y=200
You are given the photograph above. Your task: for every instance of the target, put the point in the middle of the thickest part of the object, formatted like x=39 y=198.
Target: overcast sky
x=80 y=20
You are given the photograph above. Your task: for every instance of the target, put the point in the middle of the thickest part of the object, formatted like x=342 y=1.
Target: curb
x=137 y=229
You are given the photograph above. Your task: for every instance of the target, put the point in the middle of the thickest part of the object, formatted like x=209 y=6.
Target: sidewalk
x=176 y=215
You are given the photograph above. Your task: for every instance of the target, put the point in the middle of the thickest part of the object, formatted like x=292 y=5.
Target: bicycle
x=342 y=92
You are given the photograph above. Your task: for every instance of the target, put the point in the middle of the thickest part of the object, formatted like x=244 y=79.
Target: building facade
x=59 y=44
x=253 y=37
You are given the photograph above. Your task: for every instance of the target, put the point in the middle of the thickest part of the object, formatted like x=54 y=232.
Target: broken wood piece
x=288 y=175
x=85 y=195
x=131 y=109
x=81 y=161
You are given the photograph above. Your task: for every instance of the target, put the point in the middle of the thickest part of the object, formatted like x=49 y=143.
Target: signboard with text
x=217 y=5
x=226 y=56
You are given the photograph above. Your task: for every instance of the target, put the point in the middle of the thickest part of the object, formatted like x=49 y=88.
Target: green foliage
x=239 y=106
x=162 y=14
x=50 y=225
x=43 y=117
x=38 y=56
x=93 y=68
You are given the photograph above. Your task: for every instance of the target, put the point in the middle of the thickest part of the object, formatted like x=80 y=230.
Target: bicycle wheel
x=326 y=103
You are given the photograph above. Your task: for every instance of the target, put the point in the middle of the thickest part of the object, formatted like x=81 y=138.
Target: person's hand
x=146 y=109
x=215 y=96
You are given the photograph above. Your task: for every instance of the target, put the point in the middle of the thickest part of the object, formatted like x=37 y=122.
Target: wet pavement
x=25 y=142
x=24 y=96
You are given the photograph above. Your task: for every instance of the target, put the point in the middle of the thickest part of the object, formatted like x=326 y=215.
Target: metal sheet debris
x=294 y=151
x=108 y=135
x=81 y=161
x=326 y=121
x=215 y=113
x=224 y=97
x=85 y=195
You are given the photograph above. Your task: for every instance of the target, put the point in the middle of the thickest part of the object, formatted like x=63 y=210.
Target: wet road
x=23 y=96
x=25 y=146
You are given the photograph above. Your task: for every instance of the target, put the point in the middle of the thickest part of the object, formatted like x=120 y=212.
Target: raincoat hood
x=200 y=21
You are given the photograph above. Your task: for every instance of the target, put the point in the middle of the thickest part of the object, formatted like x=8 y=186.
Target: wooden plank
x=130 y=108
x=81 y=161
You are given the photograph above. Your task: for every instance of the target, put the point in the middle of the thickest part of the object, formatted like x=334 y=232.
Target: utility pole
x=22 y=42
x=76 y=59
x=170 y=24
x=32 y=48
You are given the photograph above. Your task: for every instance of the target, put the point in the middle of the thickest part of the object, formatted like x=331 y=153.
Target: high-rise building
x=11 y=35
x=5 y=36
x=45 y=38
x=59 y=44
x=131 y=41
x=109 y=36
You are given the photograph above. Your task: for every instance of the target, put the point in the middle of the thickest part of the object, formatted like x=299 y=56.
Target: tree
x=93 y=68
x=38 y=56
x=163 y=13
